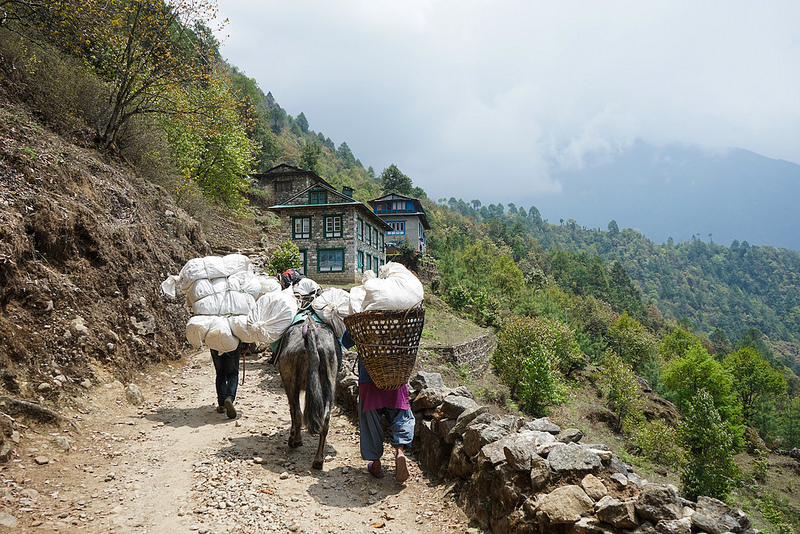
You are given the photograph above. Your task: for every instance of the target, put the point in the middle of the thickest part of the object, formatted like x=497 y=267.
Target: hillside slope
x=84 y=245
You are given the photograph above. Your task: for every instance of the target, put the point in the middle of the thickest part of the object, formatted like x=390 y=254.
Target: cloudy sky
x=472 y=98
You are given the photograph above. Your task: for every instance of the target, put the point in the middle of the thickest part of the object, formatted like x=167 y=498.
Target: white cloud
x=460 y=88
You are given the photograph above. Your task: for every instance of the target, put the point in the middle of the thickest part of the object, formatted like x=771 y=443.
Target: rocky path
x=174 y=465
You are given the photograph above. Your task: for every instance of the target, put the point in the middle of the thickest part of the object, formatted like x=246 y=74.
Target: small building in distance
x=339 y=238
x=406 y=218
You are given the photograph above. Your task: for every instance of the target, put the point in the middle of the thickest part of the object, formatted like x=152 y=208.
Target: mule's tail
x=318 y=399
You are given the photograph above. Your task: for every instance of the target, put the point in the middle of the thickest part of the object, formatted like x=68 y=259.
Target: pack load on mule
x=230 y=302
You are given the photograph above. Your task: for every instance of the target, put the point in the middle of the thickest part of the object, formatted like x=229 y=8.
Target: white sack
x=306 y=286
x=204 y=287
x=208 y=267
x=238 y=325
x=357 y=295
x=211 y=331
x=272 y=315
x=228 y=303
x=396 y=288
x=332 y=305
x=268 y=284
x=220 y=337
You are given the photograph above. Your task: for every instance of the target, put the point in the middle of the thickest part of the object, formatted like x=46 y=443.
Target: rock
x=674 y=526
x=134 y=395
x=479 y=435
x=428 y=399
x=41 y=460
x=453 y=406
x=543 y=425
x=594 y=487
x=570 y=435
x=659 y=502
x=5 y=451
x=615 y=512
x=464 y=420
x=564 y=505
x=422 y=380
x=63 y=443
x=463 y=391
x=7 y=520
x=45 y=386
x=573 y=457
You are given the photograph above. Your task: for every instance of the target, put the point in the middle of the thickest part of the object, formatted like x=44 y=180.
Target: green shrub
x=529 y=354
x=286 y=257
x=658 y=441
x=621 y=387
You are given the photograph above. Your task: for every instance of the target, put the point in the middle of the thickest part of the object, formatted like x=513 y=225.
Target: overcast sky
x=471 y=98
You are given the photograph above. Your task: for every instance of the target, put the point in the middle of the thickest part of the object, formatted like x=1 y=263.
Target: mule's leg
x=295 y=434
x=323 y=434
x=292 y=389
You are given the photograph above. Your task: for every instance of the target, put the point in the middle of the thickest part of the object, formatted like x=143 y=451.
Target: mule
x=309 y=357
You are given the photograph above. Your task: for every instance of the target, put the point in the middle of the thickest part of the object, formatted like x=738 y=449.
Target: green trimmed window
x=360 y=229
x=330 y=260
x=333 y=226
x=318 y=197
x=301 y=227
x=360 y=258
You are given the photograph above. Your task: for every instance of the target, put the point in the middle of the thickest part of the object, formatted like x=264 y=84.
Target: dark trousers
x=227 y=368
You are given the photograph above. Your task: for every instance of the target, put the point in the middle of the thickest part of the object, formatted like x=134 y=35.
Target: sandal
x=400 y=469
x=379 y=474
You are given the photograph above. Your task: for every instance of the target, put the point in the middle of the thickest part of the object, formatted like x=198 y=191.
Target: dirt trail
x=172 y=464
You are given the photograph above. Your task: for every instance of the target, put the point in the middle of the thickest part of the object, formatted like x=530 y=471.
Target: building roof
x=418 y=210
x=285 y=170
x=341 y=200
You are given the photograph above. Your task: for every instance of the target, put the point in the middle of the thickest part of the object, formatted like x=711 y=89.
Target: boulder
x=571 y=457
x=659 y=502
x=562 y=506
x=615 y=512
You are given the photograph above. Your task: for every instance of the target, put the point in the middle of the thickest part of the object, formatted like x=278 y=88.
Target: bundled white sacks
x=272 y=315
x=395 y=288
x=221 y=292
x=332 y=306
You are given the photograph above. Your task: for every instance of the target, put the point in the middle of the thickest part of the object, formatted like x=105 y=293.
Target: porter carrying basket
x=387 y=343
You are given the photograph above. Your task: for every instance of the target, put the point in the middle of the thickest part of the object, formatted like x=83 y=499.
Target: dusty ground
x=172 y=464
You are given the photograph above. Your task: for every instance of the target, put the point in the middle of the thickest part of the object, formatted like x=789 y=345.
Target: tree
x=755 y=379
x=145 y=50
x=613 y=227
x=394 y=181
x=621 y=388
x=302 y=122
x=634 y=344
x=710 y=469
x=211 y=149
x=310 y=155
x=696 y=370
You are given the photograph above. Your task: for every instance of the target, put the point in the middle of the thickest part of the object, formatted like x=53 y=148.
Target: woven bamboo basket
x=387 y=343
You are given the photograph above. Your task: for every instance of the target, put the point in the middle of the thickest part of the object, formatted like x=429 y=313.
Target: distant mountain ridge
x=683 y=192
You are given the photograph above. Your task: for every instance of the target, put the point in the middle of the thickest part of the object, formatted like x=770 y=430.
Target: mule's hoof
x=295 y=444
x=317 y=465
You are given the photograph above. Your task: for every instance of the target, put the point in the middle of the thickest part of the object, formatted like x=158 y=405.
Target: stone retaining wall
x=473 y=354
x=513 y=475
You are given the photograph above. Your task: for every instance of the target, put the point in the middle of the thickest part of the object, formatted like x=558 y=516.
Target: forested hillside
x=713 y=329
x=720 y=292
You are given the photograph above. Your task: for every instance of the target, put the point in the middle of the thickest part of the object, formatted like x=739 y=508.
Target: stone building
x=339 y=238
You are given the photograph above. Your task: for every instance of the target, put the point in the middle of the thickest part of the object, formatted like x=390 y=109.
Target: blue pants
x=227 y=368
x=401 y=430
